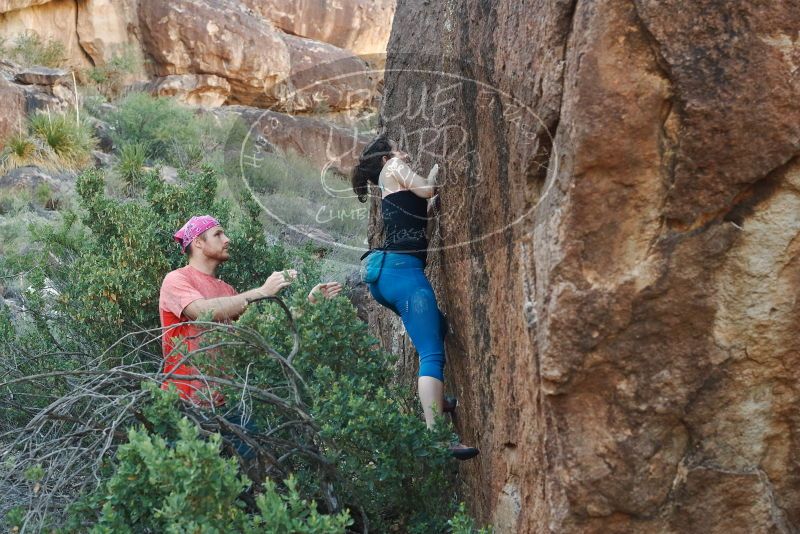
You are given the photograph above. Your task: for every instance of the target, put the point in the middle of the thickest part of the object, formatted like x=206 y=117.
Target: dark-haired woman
x=402 y=286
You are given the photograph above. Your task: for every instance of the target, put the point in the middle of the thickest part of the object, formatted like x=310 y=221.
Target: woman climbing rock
x=395 y=272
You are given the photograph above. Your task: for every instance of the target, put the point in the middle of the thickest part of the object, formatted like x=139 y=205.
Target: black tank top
x=405 y=218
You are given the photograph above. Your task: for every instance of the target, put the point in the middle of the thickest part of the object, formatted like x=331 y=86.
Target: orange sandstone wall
x=618 y=249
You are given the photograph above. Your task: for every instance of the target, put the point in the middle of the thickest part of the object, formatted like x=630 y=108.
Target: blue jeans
x=404 y=289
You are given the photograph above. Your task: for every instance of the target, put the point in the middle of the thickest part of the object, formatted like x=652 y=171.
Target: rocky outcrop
x=263 y=66
x=56 y=20
x=12 y=102
x=618 y=249
x=216 y=38
x=13 y=5
x=324 y=145
x=109 y=28
x=226 y=51
x=361 y=26
x=325 y=78
x=40 y=76
x=194 y=89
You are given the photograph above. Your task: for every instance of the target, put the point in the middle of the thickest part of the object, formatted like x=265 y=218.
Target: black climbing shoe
x=462 y=452
x=449 y=405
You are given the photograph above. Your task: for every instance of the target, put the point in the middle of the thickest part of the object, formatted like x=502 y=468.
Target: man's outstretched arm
x=229 y=308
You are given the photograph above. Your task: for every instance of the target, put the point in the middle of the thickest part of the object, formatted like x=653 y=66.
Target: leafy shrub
x=30 y=49
x=389 y=465
x=186 y=486
x=172 y=133
x=462 y=523
x=371 y=449
x=109 y=78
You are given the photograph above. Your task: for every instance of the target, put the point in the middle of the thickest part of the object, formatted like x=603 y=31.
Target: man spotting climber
x=194 y=290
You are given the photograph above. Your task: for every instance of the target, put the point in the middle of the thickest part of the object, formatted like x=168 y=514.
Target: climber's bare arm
x=398 y=176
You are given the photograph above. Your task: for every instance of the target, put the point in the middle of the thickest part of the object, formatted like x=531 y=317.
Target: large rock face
x=293 y=57
x=56 y=19
x=216 y=38
x=263 y=66
x=361 y=26
x=109 y=27
x=618 y=249
x=323 y=144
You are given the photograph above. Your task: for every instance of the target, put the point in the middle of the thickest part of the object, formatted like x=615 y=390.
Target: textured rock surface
x=623 y=293
x=51 y=20
x=219 y=38
x=263 y=66
x=40 y=76
x=11 y=5
x=198 y=90
x=12 y=102
x=361 y=26
x=324 y=77
x=109 y=27
x=324 y=144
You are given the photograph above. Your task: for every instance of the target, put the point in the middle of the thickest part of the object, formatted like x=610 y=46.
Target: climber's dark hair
x=369 y=166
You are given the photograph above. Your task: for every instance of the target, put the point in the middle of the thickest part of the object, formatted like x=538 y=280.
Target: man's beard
x=220 y=256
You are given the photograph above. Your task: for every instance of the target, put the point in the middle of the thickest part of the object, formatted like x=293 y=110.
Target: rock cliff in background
x=361 y=26
x=109 y=27
x=325 y=145
x=55 y=19
x=216 y=38
x=266 y=54
x=618 y=250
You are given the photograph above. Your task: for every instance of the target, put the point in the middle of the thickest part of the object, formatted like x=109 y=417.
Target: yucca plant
x=21 y=150
x=70 y=141
x=130 y=167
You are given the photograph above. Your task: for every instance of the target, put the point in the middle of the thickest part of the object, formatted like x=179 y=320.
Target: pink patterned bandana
x=193 y=228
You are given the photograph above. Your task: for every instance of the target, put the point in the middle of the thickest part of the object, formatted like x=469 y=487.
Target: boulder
x=13 y=5
x=204 y=90
x=103 y=132
x=40 y=76
x=218 y=38
x=618 y=251
x=325 y=145
x=42 y=185
x=325 y=78
x=13 y=104
x=43 y=98
x=361 y=26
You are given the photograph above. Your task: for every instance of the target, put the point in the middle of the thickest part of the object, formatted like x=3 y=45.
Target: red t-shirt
x=180 y=288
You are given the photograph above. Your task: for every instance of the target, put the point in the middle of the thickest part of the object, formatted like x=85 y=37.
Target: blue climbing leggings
x=404 y=289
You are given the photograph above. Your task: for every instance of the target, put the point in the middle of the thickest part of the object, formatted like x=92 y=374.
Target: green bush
x=30 y=49
x=366 y=443
x=186 y=486
x=462 y=523
x=109 y=78
x=172 y=133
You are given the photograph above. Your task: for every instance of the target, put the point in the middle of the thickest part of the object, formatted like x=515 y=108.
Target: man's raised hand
x=327 y=290
x=277 y=281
